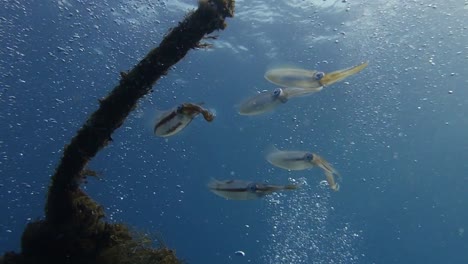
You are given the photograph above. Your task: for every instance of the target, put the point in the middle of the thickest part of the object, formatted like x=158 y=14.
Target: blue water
x=397 y=131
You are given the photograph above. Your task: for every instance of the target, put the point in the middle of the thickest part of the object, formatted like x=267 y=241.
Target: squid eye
x=309 y=156
x=180 y=108
x=318 y=76
x=277 y=92
x=252 y=187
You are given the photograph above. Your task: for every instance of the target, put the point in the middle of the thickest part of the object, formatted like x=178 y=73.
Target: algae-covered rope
x=114 y=108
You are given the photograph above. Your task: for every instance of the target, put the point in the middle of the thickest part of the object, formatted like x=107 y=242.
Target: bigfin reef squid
x=301 y=160
x=268 y=100
x=245 y=190
x=173 y=121
x=311 y=80
x=295 y=83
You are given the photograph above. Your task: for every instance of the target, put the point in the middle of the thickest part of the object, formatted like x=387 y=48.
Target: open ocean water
x=397 y=131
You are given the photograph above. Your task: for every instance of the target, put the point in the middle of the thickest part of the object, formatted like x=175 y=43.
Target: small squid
x=268 y=100
x=311 y=80
x=173 y=121
x=301 y=160
x=245 y=190
x=296 y=83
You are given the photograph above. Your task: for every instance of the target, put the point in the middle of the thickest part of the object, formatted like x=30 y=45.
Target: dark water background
x=397 y=131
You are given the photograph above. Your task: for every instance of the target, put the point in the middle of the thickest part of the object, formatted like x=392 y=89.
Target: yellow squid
x=173 y=121
x=301 y=160
x=296 y=83
x=245 y=190
x=311 y=80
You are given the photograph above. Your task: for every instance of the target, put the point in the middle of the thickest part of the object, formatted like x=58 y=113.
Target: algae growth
x=74 y=229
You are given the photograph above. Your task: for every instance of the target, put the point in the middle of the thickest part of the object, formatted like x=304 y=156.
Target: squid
x=311 y=80
x=245 y=190
x=268 y=100
x=301 y=160
x=173 y=121
x=295 y=83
